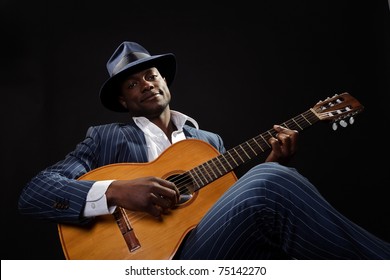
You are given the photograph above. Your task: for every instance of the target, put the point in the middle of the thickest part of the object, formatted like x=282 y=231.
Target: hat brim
x=109 y=92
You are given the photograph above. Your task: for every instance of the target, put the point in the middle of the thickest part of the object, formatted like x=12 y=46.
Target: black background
x=241 y=68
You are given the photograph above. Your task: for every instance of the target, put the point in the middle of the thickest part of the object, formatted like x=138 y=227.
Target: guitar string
x=258 y=143
x=299 y=123
x=260 y=140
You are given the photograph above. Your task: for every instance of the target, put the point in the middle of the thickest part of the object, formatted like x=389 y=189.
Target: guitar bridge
x=127 y=231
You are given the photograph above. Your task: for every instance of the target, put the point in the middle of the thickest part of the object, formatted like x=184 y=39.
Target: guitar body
x=158 y=239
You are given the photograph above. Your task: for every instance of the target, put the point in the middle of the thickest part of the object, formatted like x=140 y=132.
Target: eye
x=131 y=85
x=152 y=77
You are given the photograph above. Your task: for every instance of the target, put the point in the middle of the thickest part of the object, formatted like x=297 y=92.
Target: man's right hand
x=152 y=195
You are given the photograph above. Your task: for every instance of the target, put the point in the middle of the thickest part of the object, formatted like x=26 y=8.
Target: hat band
x=127 y=59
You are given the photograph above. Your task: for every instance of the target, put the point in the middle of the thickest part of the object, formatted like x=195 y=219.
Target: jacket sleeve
x=55 y=194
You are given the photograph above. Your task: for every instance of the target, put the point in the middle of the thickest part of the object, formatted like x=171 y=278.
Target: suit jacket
x=55 y=193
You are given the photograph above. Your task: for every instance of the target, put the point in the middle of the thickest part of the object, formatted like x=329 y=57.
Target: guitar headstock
x=338 y=108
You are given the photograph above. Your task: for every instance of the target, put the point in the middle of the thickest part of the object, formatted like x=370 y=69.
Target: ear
x=122 y=101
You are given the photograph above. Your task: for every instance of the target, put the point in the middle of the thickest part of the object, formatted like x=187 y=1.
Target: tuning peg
x=343 y=123
x=334 y=126
x=351 y=120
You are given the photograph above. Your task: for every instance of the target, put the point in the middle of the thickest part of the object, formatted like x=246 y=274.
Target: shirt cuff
x=96 y=203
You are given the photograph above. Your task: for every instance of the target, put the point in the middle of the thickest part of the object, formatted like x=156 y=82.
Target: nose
x=147 y=85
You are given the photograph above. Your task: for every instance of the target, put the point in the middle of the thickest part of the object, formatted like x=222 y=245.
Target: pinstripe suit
x=270 y=212
x=56 y=195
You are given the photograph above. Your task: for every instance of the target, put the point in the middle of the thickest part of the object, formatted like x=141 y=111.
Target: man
x=270 y=212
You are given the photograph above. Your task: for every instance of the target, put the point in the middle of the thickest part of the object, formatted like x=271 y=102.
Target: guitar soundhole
x=185 y=185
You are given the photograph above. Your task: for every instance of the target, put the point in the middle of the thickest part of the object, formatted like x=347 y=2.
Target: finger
x=279 y=128
x=170 y=192
x=171 y=186
x=165 y=183
x=291 y=141
x=282 y=129
x=282 y=145
x=284 y=139
x=165 y=211
x=275 y=145
x=285 y=135
x=177 y=192
x=162 y=201
x=155 y=211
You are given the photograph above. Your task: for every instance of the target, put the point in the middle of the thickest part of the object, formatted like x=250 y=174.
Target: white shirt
x=156 y=142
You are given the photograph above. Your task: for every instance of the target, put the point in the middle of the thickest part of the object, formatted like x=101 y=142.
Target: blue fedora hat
x=129 y=58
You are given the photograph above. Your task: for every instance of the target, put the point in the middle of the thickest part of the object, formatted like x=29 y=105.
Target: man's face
x=145 y=93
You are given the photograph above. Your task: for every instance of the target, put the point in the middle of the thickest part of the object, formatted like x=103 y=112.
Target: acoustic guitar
x=201 y=174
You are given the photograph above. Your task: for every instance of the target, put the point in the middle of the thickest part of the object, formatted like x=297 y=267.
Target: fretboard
x=220 y=165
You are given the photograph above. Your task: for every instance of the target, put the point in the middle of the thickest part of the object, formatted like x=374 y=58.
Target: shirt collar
x=179 y=119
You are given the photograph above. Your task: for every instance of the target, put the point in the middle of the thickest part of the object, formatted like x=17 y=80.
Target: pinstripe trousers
x=273 y=212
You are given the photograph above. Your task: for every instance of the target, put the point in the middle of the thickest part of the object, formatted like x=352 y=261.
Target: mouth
x=150 y=96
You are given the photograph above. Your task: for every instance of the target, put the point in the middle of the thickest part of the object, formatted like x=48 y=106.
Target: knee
x=278 y=177
x=272 y=170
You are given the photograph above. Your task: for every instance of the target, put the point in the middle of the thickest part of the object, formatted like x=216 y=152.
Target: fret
x=216 y=165
x=242 y=148
x=250 y=146
x=265 y=141
x=206 y=173
x=238 y=154
x=297 y=124
x=257 y=143
x=230 y=155
x=201 y=174
x=211 y=168
x=303 y=116
x=225 y=159
x=220 y=161
x=196 y=178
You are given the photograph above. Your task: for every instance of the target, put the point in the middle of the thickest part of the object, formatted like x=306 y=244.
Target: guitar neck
x=218 y=166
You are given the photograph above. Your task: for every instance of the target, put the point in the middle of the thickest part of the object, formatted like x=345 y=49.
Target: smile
x=150 y=97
